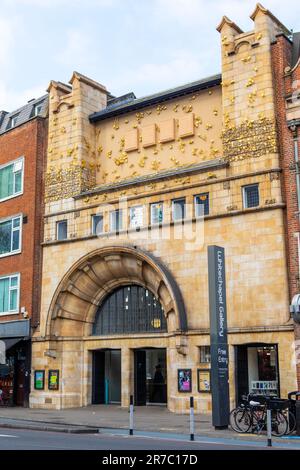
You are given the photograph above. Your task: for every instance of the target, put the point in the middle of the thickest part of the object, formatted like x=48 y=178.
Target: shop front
x=15 y=363
x=257 y=370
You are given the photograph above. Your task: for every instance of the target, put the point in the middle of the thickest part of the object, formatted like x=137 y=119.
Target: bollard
x=131 y=416
x=269 y=426
x=192 y=420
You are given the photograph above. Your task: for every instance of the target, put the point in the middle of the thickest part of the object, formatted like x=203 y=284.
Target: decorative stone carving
x=251 y=139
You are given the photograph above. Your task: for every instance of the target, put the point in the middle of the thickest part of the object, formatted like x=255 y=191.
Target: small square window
x=178 y=209
x=251 y=196
x=12 y=121
x=37 y=109
x=97 y=224
x=201 y=205
x=205 y=357
x=62 y=230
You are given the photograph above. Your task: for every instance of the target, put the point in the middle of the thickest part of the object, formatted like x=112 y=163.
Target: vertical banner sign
x=218 y=337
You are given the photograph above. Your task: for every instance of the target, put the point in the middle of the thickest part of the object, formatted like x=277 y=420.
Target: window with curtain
x=9 y=294
x=11 y=180
x=10 y=236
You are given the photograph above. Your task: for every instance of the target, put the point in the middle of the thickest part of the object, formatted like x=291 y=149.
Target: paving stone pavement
x=150 y=419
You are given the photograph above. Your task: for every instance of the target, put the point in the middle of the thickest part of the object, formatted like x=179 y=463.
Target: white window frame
x=92 y=220
x=37 y=109
x=10 y=276
x=121 y=221
x=196 y=205
x=131 y=210
x=14 y=121
x=151 y=212
x=173 y=211
x=245 y=202
x=15 y=252
x=14 y=163
x=57 y=225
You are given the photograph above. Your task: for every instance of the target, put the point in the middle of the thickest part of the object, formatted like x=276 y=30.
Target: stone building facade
x=286 y=66
x=136 y=190
x=23 y=146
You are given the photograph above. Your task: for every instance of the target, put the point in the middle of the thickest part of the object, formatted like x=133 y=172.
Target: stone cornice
x=185 y=171
x=171 y=190
x=195 y=332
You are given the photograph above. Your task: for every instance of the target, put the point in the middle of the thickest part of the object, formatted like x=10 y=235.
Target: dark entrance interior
x=106 y=377
x=150 y=376
x=15 y=373
x=257 y=370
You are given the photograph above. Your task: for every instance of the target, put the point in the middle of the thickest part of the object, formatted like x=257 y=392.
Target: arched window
x=130 y=309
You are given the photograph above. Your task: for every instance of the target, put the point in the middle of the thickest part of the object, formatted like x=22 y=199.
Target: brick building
x=286 y=67
x=23 y=139
x=124 y=290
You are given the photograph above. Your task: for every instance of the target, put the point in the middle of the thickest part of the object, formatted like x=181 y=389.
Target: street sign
x=218 y=337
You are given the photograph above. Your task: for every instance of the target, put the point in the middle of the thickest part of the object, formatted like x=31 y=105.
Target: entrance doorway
x=150 y=376
x=106 y=377
x=257 y=370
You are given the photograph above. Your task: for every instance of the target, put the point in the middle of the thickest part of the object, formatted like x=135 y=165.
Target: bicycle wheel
x=240 y=420
x=232 y=422
x=290 y=417
x=279 y=424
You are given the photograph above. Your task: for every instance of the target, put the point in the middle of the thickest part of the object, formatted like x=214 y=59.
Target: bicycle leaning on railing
x=251 y=416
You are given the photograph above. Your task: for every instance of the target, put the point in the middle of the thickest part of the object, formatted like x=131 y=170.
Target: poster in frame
x=184 y=380
x=53 y=379
x=39 y=379
x=204 y=380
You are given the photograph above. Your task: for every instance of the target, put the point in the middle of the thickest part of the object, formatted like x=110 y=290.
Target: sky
x=142 y=46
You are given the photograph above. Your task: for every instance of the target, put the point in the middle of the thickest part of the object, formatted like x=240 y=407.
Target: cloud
x=208 y=14
x=77 y=51
x=7 y=28
x=59 y=3
x=184 y=66
x=11 y=99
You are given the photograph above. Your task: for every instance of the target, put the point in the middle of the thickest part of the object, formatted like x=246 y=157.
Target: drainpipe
x=296 y=156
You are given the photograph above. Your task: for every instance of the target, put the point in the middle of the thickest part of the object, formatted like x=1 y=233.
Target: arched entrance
x=75 y=304
x=130 y=309
x=80 y=325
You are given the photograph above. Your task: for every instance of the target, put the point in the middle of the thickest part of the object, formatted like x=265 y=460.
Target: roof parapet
x=261 y=9
x=226 y=21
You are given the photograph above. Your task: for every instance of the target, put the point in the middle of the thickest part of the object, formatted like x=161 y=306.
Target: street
x=12 y=439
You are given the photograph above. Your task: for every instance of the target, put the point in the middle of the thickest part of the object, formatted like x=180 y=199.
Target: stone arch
x=241 y=44
x=93 y=277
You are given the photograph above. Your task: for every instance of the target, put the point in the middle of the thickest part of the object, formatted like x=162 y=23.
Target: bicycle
x=252 y=417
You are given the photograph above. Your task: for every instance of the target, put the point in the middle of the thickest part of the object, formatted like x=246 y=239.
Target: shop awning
x=15 y=329
x=10 y=342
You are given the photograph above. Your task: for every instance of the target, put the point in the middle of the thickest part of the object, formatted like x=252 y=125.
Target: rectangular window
x=178 y=209
x=10 y=236
x=136 y=216
x=9 y=294
x=116 y=222
x=201 y=205
x=205 y=354
x=157 y=213
x=251 y=196
x=62 y=230
x=12 y=122
x=37 y=109
x=11 y=180
x=97 y=224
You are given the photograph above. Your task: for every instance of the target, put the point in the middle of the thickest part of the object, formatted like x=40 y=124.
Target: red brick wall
x=29 y=141
x=281 y=58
